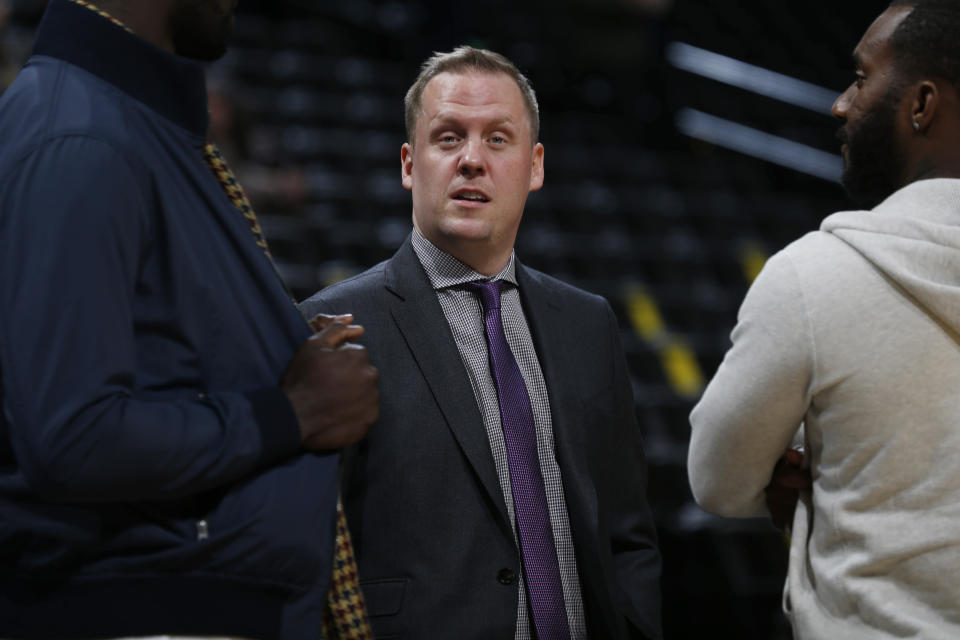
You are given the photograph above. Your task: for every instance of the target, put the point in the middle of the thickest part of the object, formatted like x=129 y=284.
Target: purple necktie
x=540 y=567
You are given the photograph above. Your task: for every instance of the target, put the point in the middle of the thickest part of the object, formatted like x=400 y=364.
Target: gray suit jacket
x=436 y=554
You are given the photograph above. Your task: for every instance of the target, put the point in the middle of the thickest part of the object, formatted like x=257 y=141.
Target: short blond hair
x=465 y=59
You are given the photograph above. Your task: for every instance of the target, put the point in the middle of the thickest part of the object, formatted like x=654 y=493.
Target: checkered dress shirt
x=464 y=314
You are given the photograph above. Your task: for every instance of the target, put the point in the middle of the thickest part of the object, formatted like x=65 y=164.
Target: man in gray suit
x=502 y=495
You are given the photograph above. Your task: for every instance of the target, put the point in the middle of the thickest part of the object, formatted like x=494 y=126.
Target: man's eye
x=859 y=81
x=498 y=139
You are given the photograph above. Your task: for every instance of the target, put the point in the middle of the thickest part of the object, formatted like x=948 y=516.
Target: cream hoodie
x=853 y=330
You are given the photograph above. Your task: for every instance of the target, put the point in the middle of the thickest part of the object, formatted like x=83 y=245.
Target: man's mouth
x=471 y=196
x=842 y=135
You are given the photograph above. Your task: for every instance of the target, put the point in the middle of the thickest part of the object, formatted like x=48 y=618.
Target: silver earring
x=916 y=125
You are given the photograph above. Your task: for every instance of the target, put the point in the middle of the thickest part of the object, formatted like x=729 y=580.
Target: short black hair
x=927 y=42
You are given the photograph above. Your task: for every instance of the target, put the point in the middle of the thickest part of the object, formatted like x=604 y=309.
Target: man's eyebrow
x=503 y=120
x=857 y=60
x=442 y=119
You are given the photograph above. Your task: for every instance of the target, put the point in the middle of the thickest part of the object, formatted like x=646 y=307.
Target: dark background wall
x=637 y=205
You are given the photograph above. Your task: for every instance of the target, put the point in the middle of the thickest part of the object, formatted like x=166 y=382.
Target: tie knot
x=488 y=291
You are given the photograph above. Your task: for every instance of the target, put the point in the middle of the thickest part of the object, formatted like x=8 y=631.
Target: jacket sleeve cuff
x=277 y=422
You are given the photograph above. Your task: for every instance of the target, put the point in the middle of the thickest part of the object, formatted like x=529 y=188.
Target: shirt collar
x=169 y=84
x=445 y=271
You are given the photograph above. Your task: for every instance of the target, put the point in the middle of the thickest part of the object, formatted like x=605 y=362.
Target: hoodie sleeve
x=755 y=403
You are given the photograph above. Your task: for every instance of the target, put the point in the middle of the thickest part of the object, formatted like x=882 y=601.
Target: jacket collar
x=170 y=85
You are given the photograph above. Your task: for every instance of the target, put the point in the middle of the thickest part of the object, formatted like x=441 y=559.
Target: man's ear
x=925 y=99
x=406 y=166
x=536 y=173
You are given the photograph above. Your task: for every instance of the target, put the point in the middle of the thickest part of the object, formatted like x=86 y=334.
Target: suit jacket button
x=506 y=576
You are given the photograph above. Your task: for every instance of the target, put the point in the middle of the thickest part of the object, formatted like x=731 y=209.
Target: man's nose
x=472 y=159
x=842 y=103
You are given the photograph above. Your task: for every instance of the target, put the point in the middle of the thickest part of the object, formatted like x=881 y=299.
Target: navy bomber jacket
x=151 y=474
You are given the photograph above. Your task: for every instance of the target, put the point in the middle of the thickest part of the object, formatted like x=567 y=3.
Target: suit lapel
x=419 y=317
x=550 y=328
x=550 y=324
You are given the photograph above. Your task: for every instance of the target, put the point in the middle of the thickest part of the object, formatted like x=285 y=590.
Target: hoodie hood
x=912 y=237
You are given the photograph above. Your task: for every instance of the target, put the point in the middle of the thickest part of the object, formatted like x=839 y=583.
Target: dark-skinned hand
x=332 y=385
x=788 y=480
